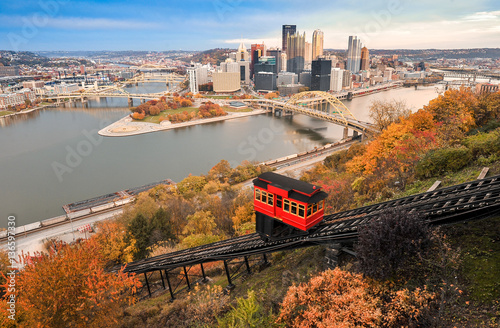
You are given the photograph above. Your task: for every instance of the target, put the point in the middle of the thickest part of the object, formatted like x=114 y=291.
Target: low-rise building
x=11 y=99
x=33 y=84
x=265 y=81
x=66 y=88
x=28 y=94
x=226 y=81
x=9 y=70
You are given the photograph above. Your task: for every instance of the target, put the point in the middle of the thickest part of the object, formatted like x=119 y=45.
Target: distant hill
x=212 y=56
x=434 y=53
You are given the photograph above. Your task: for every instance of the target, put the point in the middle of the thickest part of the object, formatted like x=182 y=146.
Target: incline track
x=470 y=200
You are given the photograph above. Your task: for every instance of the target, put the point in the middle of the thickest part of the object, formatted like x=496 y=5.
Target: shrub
x=247 y=313
x=484 y=144
x=337 y=298
x=386 y=245
x=443 y=160
x=138 y=116
x=154 y=110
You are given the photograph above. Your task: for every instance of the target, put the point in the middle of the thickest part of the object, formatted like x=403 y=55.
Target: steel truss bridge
x=314 y=104
x=466 y=201
x=113 y=92
x=470 y=74
x=169 y=78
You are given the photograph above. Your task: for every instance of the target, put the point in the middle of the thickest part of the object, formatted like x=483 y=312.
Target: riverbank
x=26 y=111
x=32 y=238
x=127 y=127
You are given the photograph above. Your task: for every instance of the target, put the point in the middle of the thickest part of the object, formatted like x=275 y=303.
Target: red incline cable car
x=285 y=206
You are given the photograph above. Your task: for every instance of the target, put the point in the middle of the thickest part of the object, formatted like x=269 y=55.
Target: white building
x=242 y=53
x=193 y=80
x=11 y=99
x=336 y=79
x=285 y=78
x=66 y=88
x=28 y=94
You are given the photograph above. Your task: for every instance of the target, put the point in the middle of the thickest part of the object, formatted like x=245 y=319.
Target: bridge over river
x=320 y=105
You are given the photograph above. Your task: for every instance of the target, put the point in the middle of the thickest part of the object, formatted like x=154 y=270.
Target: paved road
x=33 y=242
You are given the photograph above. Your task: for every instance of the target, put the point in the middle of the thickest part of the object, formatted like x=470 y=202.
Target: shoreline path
x=126 y=127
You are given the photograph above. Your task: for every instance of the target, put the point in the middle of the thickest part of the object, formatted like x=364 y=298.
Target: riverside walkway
x=127 y=127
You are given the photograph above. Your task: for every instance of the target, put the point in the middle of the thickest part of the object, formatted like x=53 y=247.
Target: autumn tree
x=186 y=103
x=115 y=244
x=488 y=108
x=138 y=116
x=385 y=112
x=154 y=110
x=71 y=288
x=221 y=171
x=191 y=185
x=454 y=111
x=201 y=222
x=337 y=298
x=244 y=219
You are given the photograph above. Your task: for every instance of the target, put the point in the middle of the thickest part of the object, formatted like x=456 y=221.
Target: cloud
x=77 y=23
x=483 y=16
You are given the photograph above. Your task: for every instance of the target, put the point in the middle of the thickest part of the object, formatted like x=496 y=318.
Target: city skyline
x=196 y=25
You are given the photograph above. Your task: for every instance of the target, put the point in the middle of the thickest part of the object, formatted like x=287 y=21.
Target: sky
x=37 y=25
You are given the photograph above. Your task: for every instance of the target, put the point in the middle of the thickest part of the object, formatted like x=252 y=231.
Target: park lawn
x=5 y=112
x=156 y=119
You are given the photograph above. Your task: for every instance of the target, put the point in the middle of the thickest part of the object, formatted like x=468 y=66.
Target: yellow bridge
x=315 y=104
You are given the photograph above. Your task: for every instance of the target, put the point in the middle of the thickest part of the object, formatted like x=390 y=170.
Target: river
x=53 y=157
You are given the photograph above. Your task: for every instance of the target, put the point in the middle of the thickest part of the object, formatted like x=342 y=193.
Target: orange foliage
x=455 y=112
x=339 y=298
x=210 y=109
x=186 y=103
x=271 y=95
x=138 y=116
x=154 y=110
x=71 y=288
x=394 y=153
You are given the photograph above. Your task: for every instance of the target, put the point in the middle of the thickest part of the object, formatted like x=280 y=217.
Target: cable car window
x=270 y=198
x=320 y=205
x=294 y=208
x=279 y=201
x=302 y=210
x=286 y=206
x=264 y=197
x=315 y=208
x=309 y=210
x=257 y=194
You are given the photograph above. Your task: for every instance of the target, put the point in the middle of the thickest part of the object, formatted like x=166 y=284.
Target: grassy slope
x=479 y=242
x=270 y=283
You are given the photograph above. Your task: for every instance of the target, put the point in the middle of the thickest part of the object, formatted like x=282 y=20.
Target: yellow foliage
x=112 y=238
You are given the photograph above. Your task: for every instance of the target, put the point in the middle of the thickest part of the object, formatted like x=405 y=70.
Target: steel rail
x=465 y=201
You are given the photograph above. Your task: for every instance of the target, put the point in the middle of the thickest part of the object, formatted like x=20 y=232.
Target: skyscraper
x=308 y=55
x=320 y=74
x=295 y=52
x=256 y=51
x=354 y=54
x=242 y=53
x=365 y=59
x=276 y=53
x=317 y=44
x=287 y=29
